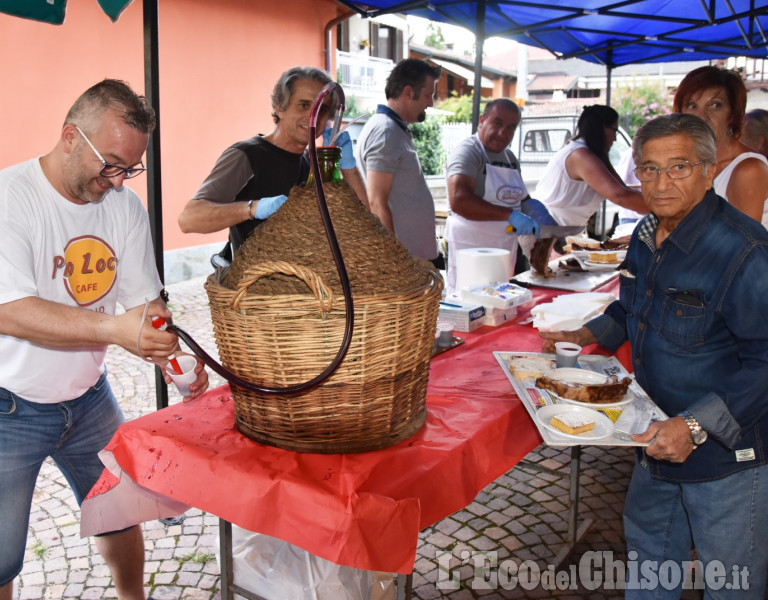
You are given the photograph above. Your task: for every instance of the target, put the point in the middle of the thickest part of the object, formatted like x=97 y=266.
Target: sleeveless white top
x=721 y=181
x=569 y=201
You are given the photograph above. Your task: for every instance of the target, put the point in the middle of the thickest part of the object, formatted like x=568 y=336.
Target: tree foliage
x=427 y=137
x=352 y=110
x=434 y=37
x=460 y=106
x=640 y=103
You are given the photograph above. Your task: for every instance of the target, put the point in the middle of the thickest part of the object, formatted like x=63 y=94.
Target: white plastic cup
x=566 y=354
x=188 y=375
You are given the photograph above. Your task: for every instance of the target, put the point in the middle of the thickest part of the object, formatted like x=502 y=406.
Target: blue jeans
x=725 y=520
x=72 y=433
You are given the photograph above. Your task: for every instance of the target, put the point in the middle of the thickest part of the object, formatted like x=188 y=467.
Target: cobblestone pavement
x=522 y=516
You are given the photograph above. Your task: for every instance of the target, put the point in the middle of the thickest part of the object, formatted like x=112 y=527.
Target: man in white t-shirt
x=75 y=244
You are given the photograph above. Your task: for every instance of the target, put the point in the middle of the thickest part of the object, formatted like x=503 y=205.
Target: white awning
x=463 y=72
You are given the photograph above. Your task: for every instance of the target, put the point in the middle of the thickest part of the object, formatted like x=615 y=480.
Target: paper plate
x=599 y=266
x=584 y=254
x=583 y=376
x=603 y=425
x=583 y=257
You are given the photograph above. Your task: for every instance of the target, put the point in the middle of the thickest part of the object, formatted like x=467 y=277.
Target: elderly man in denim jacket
x=694 y=307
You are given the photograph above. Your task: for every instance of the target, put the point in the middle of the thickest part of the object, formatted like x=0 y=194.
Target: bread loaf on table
x=524 y=367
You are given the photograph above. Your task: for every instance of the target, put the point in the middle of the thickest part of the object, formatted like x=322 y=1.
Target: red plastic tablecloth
x=360 y=510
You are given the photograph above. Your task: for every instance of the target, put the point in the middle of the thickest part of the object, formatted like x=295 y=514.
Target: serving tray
x=534 y=398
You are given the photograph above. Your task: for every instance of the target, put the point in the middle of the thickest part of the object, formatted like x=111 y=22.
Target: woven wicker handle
x=321 y=291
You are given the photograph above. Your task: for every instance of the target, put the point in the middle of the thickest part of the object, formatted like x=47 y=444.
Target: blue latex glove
x=345 y=143
x=268 y=206
x=522 y=224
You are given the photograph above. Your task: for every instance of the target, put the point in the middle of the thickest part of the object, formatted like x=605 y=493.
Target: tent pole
x=154 y=187
x=479 y=41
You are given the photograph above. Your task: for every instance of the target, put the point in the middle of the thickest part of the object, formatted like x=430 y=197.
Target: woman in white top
x=580 y=175
x=720 y=98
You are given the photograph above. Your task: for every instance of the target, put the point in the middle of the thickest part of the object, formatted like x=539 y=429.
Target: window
x=545 y=140
x=342 y=36
x=386 y=42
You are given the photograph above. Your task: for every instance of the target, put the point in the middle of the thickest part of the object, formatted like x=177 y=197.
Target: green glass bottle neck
x=328 y=160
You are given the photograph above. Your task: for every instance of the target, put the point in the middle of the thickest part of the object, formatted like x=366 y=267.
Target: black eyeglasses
x=110 y=170
x=679 y=170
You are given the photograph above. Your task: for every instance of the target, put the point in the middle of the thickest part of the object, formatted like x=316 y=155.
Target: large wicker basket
x=376 y=398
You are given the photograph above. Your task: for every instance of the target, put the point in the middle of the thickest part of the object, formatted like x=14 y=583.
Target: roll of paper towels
x=478 y=266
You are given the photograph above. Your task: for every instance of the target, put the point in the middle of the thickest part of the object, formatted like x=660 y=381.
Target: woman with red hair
x=720 y=98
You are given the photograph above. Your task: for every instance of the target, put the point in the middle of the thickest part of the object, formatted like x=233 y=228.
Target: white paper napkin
x=570 y=311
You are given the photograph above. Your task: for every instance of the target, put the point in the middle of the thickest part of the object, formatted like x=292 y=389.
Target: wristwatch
x=698 y=435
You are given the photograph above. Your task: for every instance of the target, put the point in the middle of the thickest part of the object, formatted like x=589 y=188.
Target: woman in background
x=755 y=134
x=579 y=176
x=720 y=98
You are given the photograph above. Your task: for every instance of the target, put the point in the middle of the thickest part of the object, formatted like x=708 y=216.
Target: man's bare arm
x=355 y=181
x=464 y=201
x=379 y=187
x=56 y=325
x=205 y=216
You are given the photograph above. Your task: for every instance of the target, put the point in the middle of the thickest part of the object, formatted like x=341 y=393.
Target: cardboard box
x=464 y=316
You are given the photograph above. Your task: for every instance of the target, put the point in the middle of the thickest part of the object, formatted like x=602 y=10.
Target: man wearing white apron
x=486 y=191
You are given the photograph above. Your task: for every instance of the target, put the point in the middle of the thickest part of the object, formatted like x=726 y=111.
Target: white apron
x=503 y=187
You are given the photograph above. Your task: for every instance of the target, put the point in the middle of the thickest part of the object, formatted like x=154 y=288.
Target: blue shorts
x=72 y=433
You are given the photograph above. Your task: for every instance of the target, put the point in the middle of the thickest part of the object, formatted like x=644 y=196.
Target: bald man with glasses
x=76 y=244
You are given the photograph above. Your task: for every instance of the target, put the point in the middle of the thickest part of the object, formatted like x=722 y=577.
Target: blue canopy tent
x=601 y=31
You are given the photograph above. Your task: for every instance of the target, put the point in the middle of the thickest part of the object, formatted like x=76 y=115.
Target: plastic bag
x=276 y=570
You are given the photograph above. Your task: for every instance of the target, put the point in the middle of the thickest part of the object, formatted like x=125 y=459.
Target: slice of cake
x=604 y=257
x=572 y=424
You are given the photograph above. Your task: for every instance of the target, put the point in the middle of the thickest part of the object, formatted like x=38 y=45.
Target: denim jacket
x=695 y=311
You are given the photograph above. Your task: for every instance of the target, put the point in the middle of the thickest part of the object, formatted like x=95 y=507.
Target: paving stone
x=465 y=533
x=447 y=526
x=440 y=540
x=164 y=578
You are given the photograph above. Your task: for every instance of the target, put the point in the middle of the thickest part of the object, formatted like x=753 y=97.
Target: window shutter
x=374 y=39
